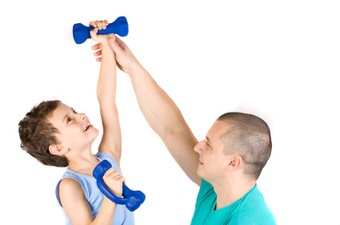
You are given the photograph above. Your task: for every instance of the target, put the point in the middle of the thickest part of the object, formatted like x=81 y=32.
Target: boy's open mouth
x=88 y=126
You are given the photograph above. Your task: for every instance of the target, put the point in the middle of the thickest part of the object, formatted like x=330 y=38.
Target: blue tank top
x=94 y=196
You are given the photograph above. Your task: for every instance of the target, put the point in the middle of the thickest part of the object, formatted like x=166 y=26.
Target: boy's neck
x=83 y=164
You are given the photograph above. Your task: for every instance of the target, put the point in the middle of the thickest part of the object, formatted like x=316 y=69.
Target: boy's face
x=75 y=130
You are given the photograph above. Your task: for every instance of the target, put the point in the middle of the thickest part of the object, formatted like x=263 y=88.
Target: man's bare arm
x=160 y=111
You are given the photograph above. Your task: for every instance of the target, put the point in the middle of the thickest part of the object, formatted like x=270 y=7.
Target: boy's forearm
x=106 y=213
x=106 y=89
x=158 y=108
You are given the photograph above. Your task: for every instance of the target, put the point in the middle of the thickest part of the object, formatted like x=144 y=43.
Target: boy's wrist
x=105 y=44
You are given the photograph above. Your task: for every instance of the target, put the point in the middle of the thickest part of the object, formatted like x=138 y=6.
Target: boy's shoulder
x=68 y=187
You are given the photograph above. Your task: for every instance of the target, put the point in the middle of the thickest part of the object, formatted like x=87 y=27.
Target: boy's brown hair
x=37 y=134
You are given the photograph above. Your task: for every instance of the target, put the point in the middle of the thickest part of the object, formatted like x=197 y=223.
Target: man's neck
x=229 y=192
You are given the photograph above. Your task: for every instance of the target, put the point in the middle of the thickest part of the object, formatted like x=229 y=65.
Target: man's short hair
x=37 y=134
x=248 y=136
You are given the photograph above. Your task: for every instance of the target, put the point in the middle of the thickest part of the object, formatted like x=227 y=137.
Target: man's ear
x=57 y=150
x=236 y=161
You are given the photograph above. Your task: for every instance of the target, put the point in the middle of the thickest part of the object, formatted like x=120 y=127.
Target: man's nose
x=198 y=147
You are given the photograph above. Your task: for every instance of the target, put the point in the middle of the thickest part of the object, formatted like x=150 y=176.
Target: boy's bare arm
x=76 y=206
x=106 y=94
x=160 y=111
x=74 y=203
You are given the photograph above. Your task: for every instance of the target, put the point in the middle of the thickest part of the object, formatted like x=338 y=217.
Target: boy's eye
x=68 y=120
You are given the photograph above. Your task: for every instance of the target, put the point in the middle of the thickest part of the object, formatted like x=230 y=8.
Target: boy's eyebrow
x=67 y=114
x=65 y=117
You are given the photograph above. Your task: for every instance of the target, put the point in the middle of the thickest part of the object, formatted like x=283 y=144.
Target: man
x=225 y=165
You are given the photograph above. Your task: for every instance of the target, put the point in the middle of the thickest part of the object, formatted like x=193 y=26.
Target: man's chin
x=200 y=174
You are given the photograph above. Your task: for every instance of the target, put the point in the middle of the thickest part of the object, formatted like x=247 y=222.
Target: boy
x=57 y=135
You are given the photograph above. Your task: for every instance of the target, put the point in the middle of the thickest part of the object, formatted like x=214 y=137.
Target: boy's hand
x=114 y=181
x=99 y=25
x=126 y=61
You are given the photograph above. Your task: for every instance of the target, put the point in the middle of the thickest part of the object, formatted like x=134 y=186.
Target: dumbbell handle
x=81 y=33
x=132 y=199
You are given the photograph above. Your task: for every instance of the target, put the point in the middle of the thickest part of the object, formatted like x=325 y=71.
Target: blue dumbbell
x=81 y=33
x=131 y=199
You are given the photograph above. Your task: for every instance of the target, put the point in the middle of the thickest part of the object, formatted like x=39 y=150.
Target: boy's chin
x=95 y=136
x=93 y=131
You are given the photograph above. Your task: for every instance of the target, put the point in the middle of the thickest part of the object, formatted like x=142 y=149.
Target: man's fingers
x=113 y=44
x=96 y=46
x=98 y=53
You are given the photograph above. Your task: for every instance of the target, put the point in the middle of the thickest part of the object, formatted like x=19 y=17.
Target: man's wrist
x=135 y=69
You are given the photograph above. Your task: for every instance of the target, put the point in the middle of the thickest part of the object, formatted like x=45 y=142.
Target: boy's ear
x=57 y=150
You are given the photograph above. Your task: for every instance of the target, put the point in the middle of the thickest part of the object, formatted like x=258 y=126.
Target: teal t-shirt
x=251 y=209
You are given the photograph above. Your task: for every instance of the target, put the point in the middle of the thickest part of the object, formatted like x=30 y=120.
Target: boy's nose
x=82 y=116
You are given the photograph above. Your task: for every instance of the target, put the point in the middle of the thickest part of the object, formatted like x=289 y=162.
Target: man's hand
x=114 y=181
x=126 y=61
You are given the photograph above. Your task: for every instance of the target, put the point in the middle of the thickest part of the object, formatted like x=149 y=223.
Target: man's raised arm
x=160 y=111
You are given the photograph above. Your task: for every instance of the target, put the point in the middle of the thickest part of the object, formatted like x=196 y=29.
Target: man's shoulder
x=206 y=191
x=254 y=210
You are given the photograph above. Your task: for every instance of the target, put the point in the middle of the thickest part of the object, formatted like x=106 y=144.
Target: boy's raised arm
x=106 y=94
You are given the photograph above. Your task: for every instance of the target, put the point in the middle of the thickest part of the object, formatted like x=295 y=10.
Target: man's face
x=75 y=129
x=213 y=161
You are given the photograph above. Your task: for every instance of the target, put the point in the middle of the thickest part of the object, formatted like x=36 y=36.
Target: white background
x=276 y=59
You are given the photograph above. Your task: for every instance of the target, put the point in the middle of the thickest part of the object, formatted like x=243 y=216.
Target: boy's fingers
x=103 y=24
x=94 y=32
x=121 y=179
x=93 y=24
